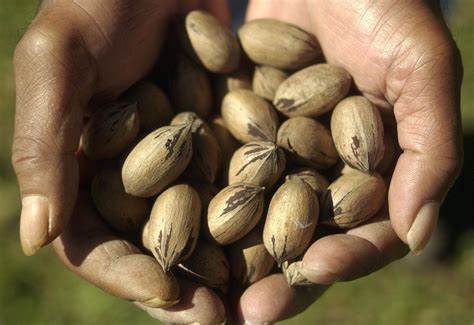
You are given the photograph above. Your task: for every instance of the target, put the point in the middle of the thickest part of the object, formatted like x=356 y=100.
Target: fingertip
x=339 y=257
x=272 y=299
x=417 y=189
x=267 y=300
x=198 y=305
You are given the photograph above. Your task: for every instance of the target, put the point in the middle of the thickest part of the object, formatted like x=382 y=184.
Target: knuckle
x=27 y=153
x=37 y=41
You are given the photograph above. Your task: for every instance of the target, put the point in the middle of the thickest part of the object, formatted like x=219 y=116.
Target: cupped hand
x=75 y=54
x=403 y=59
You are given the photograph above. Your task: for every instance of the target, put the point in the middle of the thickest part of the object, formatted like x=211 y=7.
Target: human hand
x=404 y=60
x=76 y=54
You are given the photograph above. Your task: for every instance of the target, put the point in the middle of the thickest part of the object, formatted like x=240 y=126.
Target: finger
x=54 y=75
x=363 y=250
x=71 y=50
x=294 y=12
x=271 y=299
x=198 y=305
x=89 y=249
x=403 y=56
x=217 y=8
x=426 y=108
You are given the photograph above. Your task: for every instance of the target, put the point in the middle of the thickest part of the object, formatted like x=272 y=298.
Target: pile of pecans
x=241 y=177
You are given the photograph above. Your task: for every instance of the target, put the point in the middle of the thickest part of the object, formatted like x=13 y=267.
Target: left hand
x=404 y=60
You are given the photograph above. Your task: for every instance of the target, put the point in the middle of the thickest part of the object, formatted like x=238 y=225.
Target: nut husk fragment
x=358 y=134
x=308 y=142
x=249 y=259
x=291 y=270
x=352 y=199
x=174 y=225
x=278 y=44
x=291 y=219
x=206 y=158
x=154 y=107
x=312 y=91
x=190 y=89
x=110 y=130
x=234 y=212
x=207 y=40
x=122 y=211
x=266 y=81
x=208 y=265
x=249 y=117
x=315 y=180
x=259 y=163
x=157 y=160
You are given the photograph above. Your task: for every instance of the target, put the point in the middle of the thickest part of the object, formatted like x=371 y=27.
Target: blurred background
x=436 y=288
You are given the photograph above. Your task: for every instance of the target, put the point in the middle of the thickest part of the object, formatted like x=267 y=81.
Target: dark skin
x=399 y=53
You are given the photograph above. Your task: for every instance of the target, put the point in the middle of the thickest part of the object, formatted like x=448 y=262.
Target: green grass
x=462 y=28
x=38 y=290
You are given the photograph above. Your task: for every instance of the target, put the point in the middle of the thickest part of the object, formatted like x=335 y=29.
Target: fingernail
x=34 y=223
x=257 y=323
x=197 y=323
x=159 y=303
x=423 y=227
x=318 y=275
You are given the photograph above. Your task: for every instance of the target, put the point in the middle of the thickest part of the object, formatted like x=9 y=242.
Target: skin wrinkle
x=420 y=126
x=108 y=43
x=34 y=158
x=141 y=15
x=52 y=83
x=395 y=53
x=32 y=58
x=54 y=145
x=400 y=52
x=432 y=63
x=379 y=24
x=56 y=126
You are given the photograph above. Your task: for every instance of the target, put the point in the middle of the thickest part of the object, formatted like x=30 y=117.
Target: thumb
x=429 y=130
x=54 y=75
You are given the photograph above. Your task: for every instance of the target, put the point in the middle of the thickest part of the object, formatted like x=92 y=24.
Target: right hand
x=76 y=54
